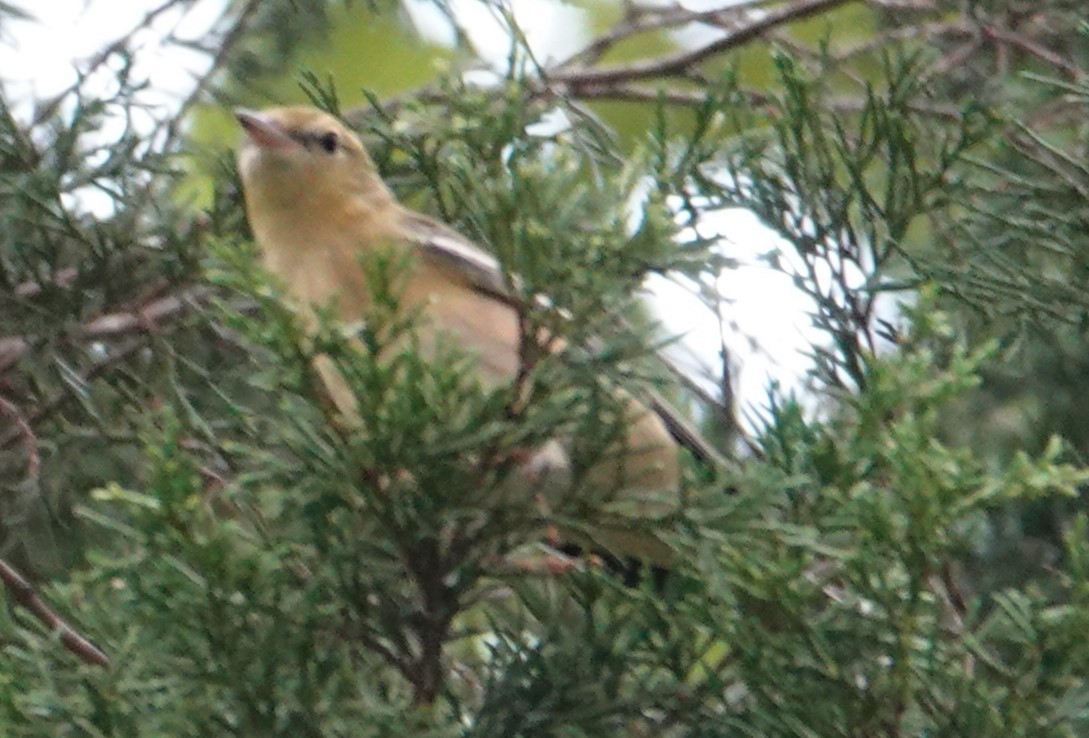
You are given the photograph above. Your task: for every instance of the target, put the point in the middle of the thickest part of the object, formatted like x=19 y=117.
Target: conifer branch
x=683 y=64
x=23 y=430
x=24 y=594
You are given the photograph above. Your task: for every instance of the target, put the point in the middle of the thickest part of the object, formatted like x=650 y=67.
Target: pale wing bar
x=447 y=248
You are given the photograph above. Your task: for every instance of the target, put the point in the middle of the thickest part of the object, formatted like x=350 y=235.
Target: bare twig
x=61 y=278
x=1032 y=48
x=23 y=430
x=47 y=111
x=620 y=82
x=635 y=93
x=47 y=407
x=953 y=59
x=230 y=40
x=121 y=323
x=115 y=324
x=644 y=20
x=111 y=325
x=23 y=593
x=682 y=63
x=922 y=33
x=12 y=349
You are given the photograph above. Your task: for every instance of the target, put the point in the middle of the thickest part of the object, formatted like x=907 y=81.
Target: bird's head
x=300 y=158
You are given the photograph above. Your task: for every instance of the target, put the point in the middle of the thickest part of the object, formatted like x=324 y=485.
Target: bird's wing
x=448 y=250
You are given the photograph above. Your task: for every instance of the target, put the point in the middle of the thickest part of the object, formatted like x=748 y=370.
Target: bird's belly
x=484 y=327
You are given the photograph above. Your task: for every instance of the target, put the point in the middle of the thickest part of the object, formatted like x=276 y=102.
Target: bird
x=317 y=205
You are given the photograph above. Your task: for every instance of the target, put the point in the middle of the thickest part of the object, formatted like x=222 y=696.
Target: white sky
x=764 y=318
x=41 y=58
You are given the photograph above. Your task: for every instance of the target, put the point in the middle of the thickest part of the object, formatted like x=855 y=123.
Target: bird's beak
x=261 y=130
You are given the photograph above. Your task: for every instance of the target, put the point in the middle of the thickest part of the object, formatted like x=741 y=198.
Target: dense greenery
x=902 y=552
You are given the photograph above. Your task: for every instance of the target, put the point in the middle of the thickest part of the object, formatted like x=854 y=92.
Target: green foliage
x=845 y=190
x=908 y=560
x=818 y=595
x=61 y=267
x=831 y=587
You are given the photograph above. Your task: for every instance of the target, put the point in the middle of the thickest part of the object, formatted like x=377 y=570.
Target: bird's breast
x=451 y=308
x=329 y=272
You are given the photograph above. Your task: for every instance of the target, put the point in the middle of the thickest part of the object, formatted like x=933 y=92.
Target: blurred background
x=847 y=238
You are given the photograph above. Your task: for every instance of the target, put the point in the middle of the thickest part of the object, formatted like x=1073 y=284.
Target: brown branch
x=906 y=4
x=119 y=353
x=647 y=94
x=950 y=113
x=608 y=83
x=22 y=592
x=952 y=59
x=62 y=278
x=22 y=429
x=1032 y=48
x=141 y=319
x=682 y=63
x=693 y=98
x=12 y=349
x=924 y=33
x=115 y=324
x=112 y=325
x=46 y=408
x=645 y=20
x=944 y=585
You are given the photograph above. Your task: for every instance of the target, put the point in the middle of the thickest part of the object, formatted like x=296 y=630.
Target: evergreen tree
x=194 y=544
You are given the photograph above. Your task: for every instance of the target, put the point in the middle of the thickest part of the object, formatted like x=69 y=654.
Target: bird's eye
x=328 y=142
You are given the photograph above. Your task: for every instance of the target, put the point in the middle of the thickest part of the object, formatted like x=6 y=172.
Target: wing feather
x=447 y=249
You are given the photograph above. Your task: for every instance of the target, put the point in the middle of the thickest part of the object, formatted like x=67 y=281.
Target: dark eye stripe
x=327 y=141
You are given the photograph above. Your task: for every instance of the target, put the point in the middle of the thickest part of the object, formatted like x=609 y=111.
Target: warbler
x=316 y=206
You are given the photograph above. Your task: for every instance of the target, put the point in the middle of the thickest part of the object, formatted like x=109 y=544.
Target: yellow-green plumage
x=316 y=203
